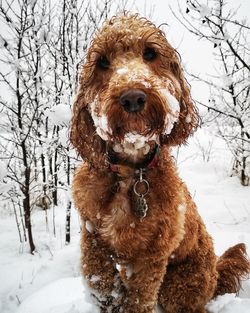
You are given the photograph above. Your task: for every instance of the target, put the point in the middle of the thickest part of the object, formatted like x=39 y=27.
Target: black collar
x=151 y=160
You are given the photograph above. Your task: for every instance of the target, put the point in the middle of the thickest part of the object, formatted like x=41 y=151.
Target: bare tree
x=22 y=111
x=41 y=51
x=71 y=27
x=229 y=103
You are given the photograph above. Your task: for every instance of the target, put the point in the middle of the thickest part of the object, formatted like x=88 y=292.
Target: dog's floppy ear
x=83 y=132
x=189 y=119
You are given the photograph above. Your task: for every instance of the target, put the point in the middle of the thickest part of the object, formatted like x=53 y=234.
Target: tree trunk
x=68 y=216
x=69 y=203
x=244 y=177
x=55 y=180
x=27 y=210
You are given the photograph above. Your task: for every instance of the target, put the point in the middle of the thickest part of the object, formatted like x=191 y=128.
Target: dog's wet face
x=134 y=88
x=136 y=98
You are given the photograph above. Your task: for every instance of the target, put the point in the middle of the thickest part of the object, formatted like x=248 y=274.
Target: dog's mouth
x=135 y=146
x=133 y=135
x=133 y=149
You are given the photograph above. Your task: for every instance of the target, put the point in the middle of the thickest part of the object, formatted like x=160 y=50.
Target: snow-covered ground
x=50 y=282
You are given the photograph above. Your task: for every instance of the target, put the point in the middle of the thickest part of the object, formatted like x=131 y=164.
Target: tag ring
x=146 y=186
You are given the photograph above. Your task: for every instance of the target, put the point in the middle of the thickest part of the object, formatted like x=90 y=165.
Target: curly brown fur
x=232 y=266
x=131 y=263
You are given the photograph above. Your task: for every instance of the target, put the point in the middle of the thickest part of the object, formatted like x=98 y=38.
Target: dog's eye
x=103 y=63
x=149 y=54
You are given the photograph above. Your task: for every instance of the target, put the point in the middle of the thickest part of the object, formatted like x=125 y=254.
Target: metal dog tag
x=141 y=207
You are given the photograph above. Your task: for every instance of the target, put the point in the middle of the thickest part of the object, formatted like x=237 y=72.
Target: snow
x=188 y=119
x=146 y=84
x=118 y=267
x=100 y=121
x=172 y=117
x=172 y=101
x=50 y=281
x=5 y=187
x=94 y=279
x=169 y=123
x=63 y=136
x=122 y=70
x=115 y=294
x=132 y=225
x=228 y=303
x=135 y=73
x=3 y=170
x=89 y=226
x=59 y=114
x=227 y=81
x=181 y=208
x=136 y=139
x=129 y=271
x=204 y=10
x=118 y=148
x=63 y=295
x=133 y=142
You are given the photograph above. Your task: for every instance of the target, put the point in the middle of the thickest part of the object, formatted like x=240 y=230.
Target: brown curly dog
x=143 y=241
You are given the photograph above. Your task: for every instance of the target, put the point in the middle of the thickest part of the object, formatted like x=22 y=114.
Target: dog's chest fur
x=129 y=235
x=119 y=225
x=112 y=213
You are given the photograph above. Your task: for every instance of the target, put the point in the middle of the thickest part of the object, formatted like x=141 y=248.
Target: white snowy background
x=50 y=282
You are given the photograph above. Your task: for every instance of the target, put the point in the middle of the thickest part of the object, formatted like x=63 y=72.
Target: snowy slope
x=50 y=282
x=67 y=296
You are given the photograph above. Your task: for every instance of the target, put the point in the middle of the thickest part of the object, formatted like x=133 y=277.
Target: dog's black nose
x=133 y=100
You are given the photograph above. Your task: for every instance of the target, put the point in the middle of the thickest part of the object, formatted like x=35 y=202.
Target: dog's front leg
x=142 y=279
x=100 y=273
